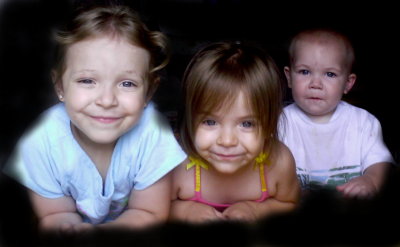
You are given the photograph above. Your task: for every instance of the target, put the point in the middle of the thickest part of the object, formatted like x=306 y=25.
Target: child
x=237 y=168
x=333 y=143
x=102 y=155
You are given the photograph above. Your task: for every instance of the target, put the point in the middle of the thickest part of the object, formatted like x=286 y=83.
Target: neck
x=90 y=146
x=321 y=119
x=99 y=153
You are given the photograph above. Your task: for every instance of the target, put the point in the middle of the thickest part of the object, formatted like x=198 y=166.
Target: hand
x=200 y=213
x=69 y=228
x=361 y=187
x=242 y=211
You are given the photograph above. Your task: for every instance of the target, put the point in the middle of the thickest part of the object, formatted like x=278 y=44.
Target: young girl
x=101 y=155
x=237 y=168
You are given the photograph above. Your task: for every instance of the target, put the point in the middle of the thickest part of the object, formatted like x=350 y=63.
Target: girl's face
x=318 y=78
x=230 y=138
x=104 y=88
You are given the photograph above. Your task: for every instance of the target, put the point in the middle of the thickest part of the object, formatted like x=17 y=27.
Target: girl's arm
x=146 y=207
x=186 y=210
x=193 y=212
x=57 y=214
x=283 y=187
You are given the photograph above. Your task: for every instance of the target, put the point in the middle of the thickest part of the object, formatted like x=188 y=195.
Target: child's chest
x=223 y=190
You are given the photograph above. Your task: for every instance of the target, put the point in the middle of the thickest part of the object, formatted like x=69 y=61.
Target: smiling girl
x=237 y=168
x=101 y=156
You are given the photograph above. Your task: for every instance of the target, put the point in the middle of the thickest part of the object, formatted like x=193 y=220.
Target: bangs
x=219 y=95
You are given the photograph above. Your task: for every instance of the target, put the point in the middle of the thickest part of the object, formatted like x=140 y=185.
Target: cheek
x=255 y=144
x=202 y=139
x=132 y=103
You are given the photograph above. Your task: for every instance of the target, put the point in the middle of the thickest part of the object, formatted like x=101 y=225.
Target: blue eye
x=247 y=124
x=86 y=81
x=304 y=72
x=209 y=122
x=330 y=74
x=128 y=84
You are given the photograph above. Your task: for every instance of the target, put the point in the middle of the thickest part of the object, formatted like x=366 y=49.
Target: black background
x=26 y=52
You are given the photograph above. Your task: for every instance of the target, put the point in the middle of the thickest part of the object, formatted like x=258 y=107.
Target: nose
x=315 y=83
x=106 y=97
x=227 y=137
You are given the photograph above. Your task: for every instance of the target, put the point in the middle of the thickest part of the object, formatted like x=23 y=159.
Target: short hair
x=217 y=73
x=118 y=21
x=323 y=35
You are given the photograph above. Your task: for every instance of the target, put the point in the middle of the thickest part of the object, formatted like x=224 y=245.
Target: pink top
x=221 y=207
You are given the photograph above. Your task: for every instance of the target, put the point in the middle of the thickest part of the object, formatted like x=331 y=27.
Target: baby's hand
x=242 y=211
x=361 y=187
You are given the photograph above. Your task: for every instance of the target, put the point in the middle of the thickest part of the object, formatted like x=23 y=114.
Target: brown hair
x=217 y=73
x=323 y=35
x=119 y=21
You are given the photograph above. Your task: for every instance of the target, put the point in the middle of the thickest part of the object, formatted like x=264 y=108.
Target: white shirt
x=49 y=161
x=334 y=152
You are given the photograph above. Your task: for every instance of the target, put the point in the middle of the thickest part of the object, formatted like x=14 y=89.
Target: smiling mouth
x=226 y=156
x=106 y=120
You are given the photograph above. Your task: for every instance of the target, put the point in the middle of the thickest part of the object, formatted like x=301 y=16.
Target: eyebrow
x=126 y=72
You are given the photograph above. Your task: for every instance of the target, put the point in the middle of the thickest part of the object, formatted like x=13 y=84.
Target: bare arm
x=368 y=184
x=146 y=207
x=193 y=212
x=284 y=190
x=57 y=214
x=186 y=210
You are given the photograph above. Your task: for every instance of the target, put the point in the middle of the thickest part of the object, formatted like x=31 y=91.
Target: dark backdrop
x=26 y=52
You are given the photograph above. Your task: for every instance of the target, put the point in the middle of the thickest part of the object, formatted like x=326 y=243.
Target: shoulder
x=151 y=120
x=151 y=125
x=282 y=158
x=182 y=181
x=358 y=115
x=180 y=171
x=51 y=125
x=291 y=114
x=281 y=175
x=290 y=108
x=355 y=111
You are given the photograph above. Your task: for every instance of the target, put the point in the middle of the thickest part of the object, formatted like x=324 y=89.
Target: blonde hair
x=323 y=35
x=217 y=73
x=116 y=21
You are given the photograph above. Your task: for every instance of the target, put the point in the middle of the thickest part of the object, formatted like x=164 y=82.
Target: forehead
x=320 y=51
x=103 y=50
x=235 y=104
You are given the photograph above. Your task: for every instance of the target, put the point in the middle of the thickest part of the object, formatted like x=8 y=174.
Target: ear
x=351 y=79
x=58 y=87
x=286 y=70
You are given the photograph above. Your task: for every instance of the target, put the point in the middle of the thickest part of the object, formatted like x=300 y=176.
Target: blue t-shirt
x=49 y=161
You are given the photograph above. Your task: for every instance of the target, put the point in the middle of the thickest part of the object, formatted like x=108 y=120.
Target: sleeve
x=159 y=154
x=32 y=166
x=373 y=149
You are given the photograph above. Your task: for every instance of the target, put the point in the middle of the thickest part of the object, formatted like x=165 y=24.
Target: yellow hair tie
x=196 y=162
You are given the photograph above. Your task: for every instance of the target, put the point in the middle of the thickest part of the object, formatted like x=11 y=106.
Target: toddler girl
x=237 y=169
x=102 y=155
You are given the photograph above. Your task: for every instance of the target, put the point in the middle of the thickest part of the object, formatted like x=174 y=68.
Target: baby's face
x=319 y=77
x=229 y=139
x=104 y=87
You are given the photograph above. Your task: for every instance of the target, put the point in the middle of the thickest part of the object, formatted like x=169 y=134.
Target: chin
x=104 y=139
x=227 y=168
